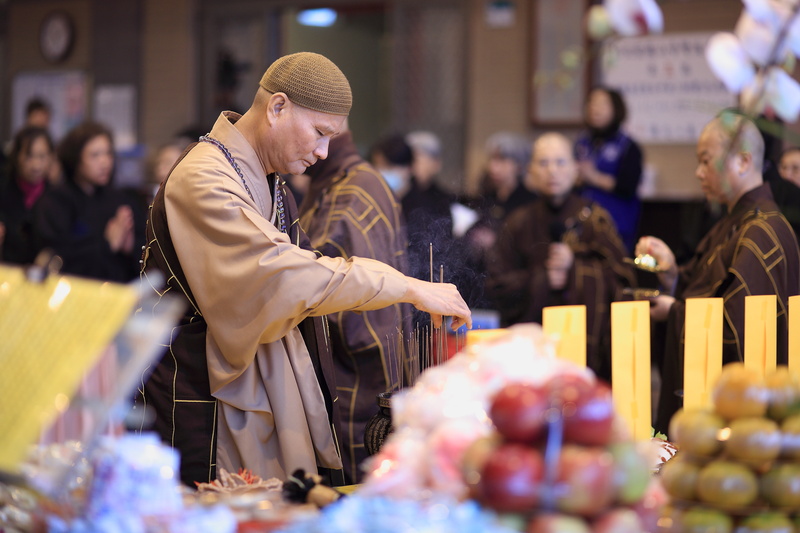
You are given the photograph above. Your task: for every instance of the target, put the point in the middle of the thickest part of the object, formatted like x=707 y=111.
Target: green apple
x=631 y=472
x=766 y=522
x=754 y=440
x=727 y=484
x=702 y=520
x=784 y=393
x=696 y=431
x=739 y=392
x=679 y=477
x=781 y=486
x=790 y=428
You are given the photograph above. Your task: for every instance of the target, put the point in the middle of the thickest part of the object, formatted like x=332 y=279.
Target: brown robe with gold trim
x=350 y=211
x=750 y=251
x=518 y=278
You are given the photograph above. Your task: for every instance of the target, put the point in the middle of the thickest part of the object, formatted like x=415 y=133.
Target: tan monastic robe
x=253 y=287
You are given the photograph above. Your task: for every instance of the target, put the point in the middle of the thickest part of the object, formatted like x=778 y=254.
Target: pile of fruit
x=738 y=465
x=560 y=460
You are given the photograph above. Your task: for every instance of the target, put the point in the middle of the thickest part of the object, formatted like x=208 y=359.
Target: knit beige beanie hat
x=310 y=80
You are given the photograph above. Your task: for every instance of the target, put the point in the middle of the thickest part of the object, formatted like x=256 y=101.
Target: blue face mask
x=394 y=179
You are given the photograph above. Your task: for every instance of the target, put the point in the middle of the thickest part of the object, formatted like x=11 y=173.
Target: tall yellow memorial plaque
x=567 y=325
x=630 y=364
x=760 y=333
x=794 y=335
x=702 y=361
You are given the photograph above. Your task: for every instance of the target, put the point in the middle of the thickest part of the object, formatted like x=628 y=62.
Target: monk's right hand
x=663 y=255
x=438 y=299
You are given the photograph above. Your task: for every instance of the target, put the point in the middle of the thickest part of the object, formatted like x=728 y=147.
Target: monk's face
x=301 y=138
x=553 y=170
x=790 y=167
x=712 y=170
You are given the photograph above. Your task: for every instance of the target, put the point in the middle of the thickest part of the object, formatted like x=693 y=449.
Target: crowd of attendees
x=552 y=222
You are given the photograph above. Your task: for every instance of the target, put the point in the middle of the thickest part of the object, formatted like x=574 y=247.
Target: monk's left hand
x=660 y=306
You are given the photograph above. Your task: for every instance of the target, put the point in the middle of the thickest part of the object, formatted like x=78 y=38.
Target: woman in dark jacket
x=96 y=229
x=24 y=183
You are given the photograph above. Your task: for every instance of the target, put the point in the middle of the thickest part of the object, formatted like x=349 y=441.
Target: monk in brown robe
x=349 y=210
x=560 y=250
x=752 y=250
x=239 y=385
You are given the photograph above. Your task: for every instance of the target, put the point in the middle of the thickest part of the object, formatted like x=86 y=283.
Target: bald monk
x=560 y=250
x=752 y=250
x=240 y=386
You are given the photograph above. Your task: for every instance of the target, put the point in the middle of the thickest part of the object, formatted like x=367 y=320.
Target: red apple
x=557 y=523
x=585 y=480
x=518 y=412
x=511 y=478
x=650 y=507
x=592 y=421
x=620 y=520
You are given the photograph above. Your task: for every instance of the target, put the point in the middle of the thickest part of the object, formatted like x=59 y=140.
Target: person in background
x=426 y=205
x=349 y=210
x=503 y=189
x=561 y=249
x=96 y=229
x=751 y=250
x=610 y=162
x=786 y=189
x=37 y=113
x=241 y=385
x=21 y=188
x=158 y=166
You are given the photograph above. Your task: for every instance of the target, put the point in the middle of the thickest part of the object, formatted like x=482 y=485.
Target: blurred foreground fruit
x=727 y=484
x=739 y=392
x=696 y=431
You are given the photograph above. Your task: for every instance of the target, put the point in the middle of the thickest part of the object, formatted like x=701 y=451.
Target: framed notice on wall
x=66 y=92
x=670 y=90
x=560 y=70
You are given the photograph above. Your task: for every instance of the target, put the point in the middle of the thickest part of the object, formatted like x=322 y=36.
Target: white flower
x=774 y=15
x=729 y=61
x=635 y=17
x=776 y=91
x=759 y=39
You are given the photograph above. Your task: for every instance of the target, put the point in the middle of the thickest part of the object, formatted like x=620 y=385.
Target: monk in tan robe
x=752 y=250
x=560 y=250
x=349 y=210
x=238 y=387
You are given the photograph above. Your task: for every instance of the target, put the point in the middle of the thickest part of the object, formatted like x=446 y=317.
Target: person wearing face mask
x=95 y=228
x=610 y=162
x=24 y=184
x=349 y=210
x=248 y=380
x=561 y=249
